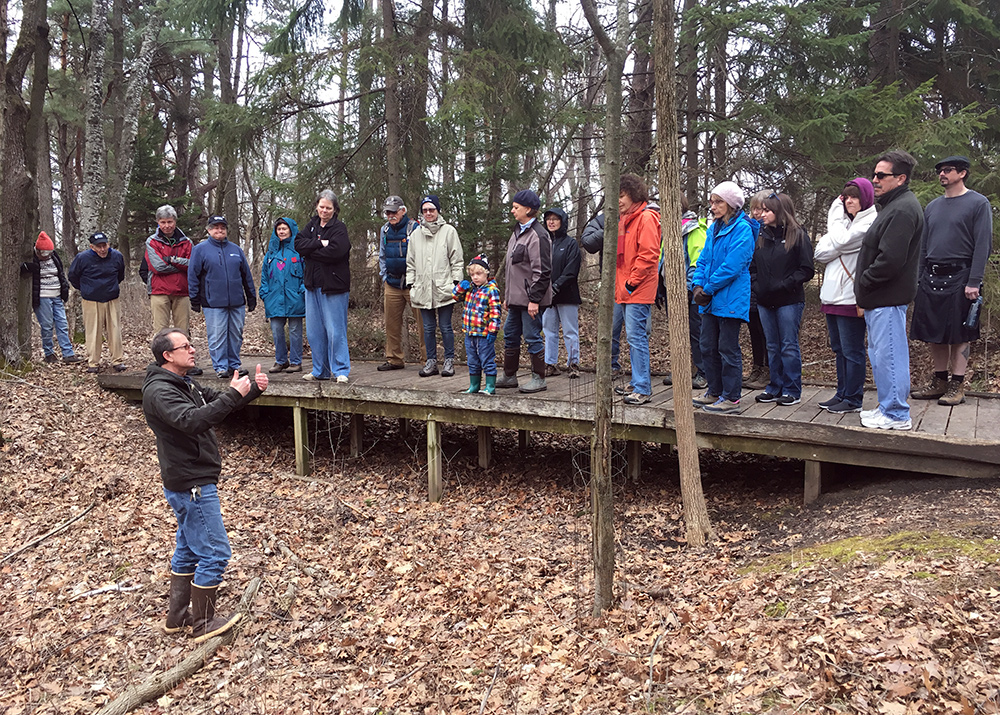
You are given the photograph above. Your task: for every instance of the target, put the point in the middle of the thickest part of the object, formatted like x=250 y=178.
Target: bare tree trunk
x=689 y=72
x=719 y=79
x=699 y=527
x=94 y=164
x=46 y=210
x=639 y=125
x=227 y=95
x=602 y=498
x=414 y=109
x=393 y=160
x=883 y=45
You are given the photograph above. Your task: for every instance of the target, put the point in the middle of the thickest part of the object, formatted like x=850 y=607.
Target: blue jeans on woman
x=723 y=359
x=281 y=347
x=568 y=316
x=781 y=330
x=326 y=325
x=519 y=323
x=202 y=544
x=432 y=318
x=51 y=314
x=637 y=333
x=847 y=340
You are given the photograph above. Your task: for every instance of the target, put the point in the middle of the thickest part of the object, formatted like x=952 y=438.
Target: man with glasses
x=886 y=283
x=182 y=415
x=957 y=238
x=394 y=238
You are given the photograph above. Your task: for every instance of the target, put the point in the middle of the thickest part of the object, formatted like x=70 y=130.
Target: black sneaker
x=827 y=404
x=767 y=397
x=224 y=374
x=668 y=380
x=388 y=366
x=71 y=360
x=788 y=400
x=121 y=367
x=843 y=408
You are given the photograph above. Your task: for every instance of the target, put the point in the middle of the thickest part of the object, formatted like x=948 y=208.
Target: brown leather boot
x=509 y=377
x=206 y=624
x=935 y=388
x=178 y=613
x=537 y=381
x=955 y=395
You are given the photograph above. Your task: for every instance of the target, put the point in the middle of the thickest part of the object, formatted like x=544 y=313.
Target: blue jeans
x=568 y=316
x=519 y=323
x=847 y=340
x=720 y=349
x=326 y=325
x=281 y=347
x=202 y=544
x=889 y=353
x=51 y=313
x=432 y=317
x=481 y=355
x=784 y=359
x=637 y=333
x=617 y=323
x=224 y=329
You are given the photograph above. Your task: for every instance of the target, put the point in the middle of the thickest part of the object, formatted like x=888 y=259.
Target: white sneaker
x=881 y=421
x=868 y=414
x=342 y=378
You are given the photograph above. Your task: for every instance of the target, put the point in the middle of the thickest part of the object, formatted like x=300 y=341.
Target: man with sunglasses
x=958 y=235
x=182 y=414
x=886 y=283
x=394 y=239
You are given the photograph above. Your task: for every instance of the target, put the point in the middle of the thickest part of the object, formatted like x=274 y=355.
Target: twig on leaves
x=122 y=587
x=652 y=653
x=156 y=685
x=398 y=680
x=52 y=533
x=486 y=696
x=14 y=378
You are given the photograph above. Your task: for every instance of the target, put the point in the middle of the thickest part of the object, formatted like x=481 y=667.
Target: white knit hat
x=732 y=194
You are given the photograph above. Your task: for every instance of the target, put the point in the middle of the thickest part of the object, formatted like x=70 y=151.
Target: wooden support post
x=814 y=481
x=434 y=488
x=523 y=439
x=404 y=427
x=633 y=459
x=485 y=435
x=300 y=424
x=357 y=434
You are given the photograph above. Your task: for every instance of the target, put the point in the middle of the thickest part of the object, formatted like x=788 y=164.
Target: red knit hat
x=44 y=243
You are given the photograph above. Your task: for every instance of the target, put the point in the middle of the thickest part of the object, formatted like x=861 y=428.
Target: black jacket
x=33 y=268
x=182 y=415
x=327 y=268
x=777 y=275
x=566 y=260
x=886 y=274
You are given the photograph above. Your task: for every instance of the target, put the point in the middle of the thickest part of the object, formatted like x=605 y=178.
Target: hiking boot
x=491 y=385
x=205 y=623
x=291 y=368
x=429 y=368
x=574 y=371
x=449 y=367
x=636 y=398
x=474 y=383
x=93 y=370
x=70 y=360
x=279 y=367
x=955 y=394
x=51 y=358
x=551 y=370
x=622 y=391
x=937 y=387
x=388 y=366
x=178 y=613
x=758 y=378
x=706 y=399
x=723 y=406
x=698 y=382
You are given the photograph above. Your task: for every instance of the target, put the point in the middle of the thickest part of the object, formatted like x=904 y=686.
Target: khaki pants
x=395 y=301
x=100 y=320
x=170 y=311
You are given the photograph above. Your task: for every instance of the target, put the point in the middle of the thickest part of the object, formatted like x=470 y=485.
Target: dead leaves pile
x=376 y=601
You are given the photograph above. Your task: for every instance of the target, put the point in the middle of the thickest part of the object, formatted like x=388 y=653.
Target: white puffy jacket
x=839 y=249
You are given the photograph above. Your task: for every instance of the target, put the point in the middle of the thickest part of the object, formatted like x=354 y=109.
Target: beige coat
x=434 y=263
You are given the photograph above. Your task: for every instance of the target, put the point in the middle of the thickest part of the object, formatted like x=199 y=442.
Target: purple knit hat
x=866 y=192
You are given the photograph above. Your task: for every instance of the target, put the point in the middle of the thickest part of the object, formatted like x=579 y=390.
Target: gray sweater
x=958 y=230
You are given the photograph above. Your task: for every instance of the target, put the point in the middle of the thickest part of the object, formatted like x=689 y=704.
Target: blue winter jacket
x=219 y=276
x=392 y=245
x=281 y=286
x=98 y=279
x=723 y=269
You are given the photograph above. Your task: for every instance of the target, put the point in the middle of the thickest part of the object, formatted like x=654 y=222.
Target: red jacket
x=638 y=256
x=167 y=260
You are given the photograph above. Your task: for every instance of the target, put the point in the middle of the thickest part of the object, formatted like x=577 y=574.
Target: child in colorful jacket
x=481 y=320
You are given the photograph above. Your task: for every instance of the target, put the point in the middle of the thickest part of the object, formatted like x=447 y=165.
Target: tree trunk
x=883 y=45
x=414 y=109
x=94 y=163
x=601 y=495
x=393 y=160
x=226 y=194
x=689 y=72
x=719 y=78
x=639 y=125
x=699 y=527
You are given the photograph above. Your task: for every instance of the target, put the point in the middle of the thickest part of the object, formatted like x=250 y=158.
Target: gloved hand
x=555 y=290
x=629 y=288
x=700 y=297
x=661 y=294
x=251 y=307
x=491 y=339
x=465 y=285
x=196 y=306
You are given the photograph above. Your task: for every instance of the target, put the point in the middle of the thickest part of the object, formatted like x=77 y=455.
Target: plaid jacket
x=481 y=309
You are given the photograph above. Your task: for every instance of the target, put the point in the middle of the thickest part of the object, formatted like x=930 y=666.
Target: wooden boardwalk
x=956 y=441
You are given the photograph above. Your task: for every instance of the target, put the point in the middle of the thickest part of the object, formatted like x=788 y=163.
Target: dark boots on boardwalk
x=201 y=613
x=509 y=378
x=947 y=392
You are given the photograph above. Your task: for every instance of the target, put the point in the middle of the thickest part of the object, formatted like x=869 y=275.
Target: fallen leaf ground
x=882 y=598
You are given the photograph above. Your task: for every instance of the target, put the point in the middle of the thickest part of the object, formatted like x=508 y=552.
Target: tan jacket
x=434 y=263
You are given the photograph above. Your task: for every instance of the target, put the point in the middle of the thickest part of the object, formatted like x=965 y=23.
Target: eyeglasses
x=428 y=211
x=773 y=195
x=881 y=175
x=392 y=213
x=946 y=169
x=185 y=346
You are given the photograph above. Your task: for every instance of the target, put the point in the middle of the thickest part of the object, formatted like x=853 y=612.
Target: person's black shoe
x=242 y=372
x=388 y=366
x=195 y=371
x=668 y=380
x=120 y=367
x=767 y=397
x=224 y=374
x=72 y=359
x=51 y=358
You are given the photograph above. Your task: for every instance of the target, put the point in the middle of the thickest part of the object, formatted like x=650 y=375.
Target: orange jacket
x=638 y=256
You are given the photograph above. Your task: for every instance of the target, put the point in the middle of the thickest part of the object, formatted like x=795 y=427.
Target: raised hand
x=260 y=378
x=240 y=384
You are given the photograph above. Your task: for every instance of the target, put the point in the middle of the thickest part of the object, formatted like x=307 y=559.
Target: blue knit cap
x=528 y=199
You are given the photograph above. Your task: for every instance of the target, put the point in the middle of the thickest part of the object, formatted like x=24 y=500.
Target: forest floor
x=883 y=597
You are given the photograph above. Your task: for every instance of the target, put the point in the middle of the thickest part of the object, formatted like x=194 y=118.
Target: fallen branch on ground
x=155 y=686
x=53 y=532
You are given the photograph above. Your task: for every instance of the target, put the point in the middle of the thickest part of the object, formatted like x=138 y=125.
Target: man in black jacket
x=886 y=284
x=182 y=415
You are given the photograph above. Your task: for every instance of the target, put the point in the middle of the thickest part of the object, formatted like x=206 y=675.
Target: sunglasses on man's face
x=881 y=175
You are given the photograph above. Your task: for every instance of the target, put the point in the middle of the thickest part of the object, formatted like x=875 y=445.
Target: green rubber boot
x=474 y=382
x=491 y=385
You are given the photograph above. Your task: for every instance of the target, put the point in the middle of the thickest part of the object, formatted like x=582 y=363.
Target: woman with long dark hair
x=782 y=264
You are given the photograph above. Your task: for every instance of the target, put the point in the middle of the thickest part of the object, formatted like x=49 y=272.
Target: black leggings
x=758 y=343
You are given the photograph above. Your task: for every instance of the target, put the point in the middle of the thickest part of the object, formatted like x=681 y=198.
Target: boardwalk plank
x=988 y=419
x=962 y=422
x=935 y=417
